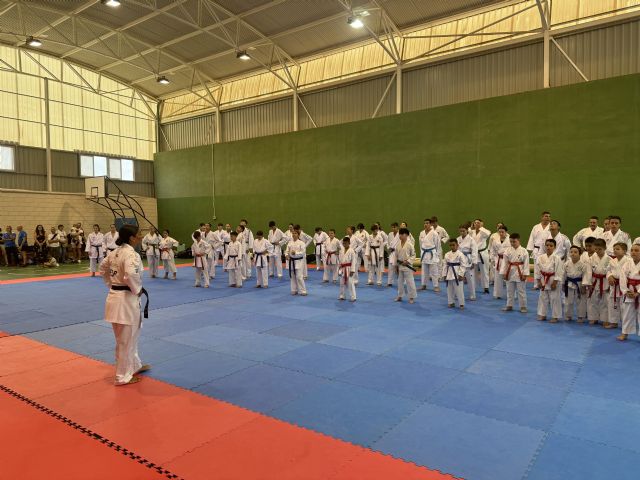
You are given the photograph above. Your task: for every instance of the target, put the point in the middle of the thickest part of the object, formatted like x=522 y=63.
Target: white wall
x=32 y=208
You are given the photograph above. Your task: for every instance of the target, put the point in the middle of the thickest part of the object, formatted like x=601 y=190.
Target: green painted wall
x=572 y=150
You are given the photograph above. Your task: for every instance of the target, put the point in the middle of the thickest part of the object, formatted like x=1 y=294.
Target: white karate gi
x=469 y=248
x=392 y=242
x=233 y=259
x=619 y=237
x=167 y=256
x=318 y=242
x=123 y=268
x=248 y=247
x=430 y=258
x=348 y=259
x=630 y=282
x=210 y=238
x=550 y=269
x=455 y=265
x=515 y=264
x=296 y=259
x=482 y=268
x=497 y=250
x=598 y=301
x=374 y=251
x=576 y=277
x=536 y=242
x=357 y=246
x=406 y=252
x=363 y=236
x=614 y=311
x=307 y=239
x=276 y=238
x=95 y=246
x=563 y=244
x=226 y=239
x=200 y=251
x=582 y=235
x=444 y=240
x=150 y=245
x=331 y=250
x=261 y=253
x=109 y=242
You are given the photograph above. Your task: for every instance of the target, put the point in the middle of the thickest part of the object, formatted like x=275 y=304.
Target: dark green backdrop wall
x=572 y=150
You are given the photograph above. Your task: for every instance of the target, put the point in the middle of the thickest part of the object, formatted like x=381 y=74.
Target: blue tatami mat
x=479 y=393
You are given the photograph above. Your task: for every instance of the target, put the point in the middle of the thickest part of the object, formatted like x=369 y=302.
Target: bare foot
x=622 y=337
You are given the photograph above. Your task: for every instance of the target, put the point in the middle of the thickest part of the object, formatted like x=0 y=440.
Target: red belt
x=632 y=282
x=601 y=277
x=517 y=264
x=329 y=255
x=500 y=257
x=547 y=276
x=345 y=272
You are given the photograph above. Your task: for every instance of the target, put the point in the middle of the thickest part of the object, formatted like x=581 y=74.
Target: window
x=116 y=168
x=7 y=158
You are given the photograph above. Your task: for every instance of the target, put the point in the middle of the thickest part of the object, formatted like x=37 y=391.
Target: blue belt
x=576 y=281
x=453 y=265
x=425 y=251
x=292 y=263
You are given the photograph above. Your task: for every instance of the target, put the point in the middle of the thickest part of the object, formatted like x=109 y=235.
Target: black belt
x=142 y=292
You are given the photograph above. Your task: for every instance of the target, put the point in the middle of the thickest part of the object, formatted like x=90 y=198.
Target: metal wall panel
x=497 y=73
x=188 y=133
x=68 y=184
x=349 y=103
x=257 y=120
x=143 y=171
x=30 y=160
x=601 y=53
x=65 y=164
x=23 y=181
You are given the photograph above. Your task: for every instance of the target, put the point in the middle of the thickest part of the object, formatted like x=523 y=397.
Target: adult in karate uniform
x=122 y=272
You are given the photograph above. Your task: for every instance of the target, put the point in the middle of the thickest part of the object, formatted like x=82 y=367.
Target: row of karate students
x=158 y=249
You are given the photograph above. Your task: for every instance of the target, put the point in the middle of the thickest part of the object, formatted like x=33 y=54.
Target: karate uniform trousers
x=614 y=304
x=201 y=270
x=406 y=280
x=234 y=267
x=482 y=268
x=499 y=285
x=330 y=267
x=575 y=301
x=598 y=305
x=346 y=283
x=275 y=261
x=631 y=312
x=550 y=298
x=262 y=268
x=429 y=269
x=296 y=272
x=376 y=267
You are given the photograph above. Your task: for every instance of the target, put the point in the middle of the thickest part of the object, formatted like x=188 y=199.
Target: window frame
x=12 y=149
x=109 y=160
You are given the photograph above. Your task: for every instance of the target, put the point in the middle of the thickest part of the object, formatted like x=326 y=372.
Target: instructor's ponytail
x=125 y=233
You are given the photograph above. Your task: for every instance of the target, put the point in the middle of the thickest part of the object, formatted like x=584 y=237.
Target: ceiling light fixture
x=355 y=22
x=163 y=80
x=243 y=55
x=33 y=42
x=111 y=3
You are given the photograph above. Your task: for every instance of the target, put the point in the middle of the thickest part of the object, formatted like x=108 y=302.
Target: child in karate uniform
x=331 y=249
x=630 y=286
x=357 y=246
x=499 y=244
x=374 y=253
x=548 y=276
x=200 y=249
x=405 y=256
x=515 y=271
x=261 y=253
x=598 y=301
x=109 y=241
x=429 y=256
x=167 y=244
x=296 y=258
x=577 y=274
x=393 y=238
x=481 y=236
x=348 y=261
x=94 y=248
x=613 y=278
x=455 y=265
x=233 y=260
x=469 y=248
x=318 y=240
x=275 y=258
x=363 y=236
x=306 y=239
x=150 y=244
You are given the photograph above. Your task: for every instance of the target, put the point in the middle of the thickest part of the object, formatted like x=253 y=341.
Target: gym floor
x=250 y=383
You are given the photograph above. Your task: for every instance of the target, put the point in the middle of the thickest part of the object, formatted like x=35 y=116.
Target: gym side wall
x=572 y=150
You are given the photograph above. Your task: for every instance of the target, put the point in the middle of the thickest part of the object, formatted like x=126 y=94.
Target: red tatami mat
x=36 y=446
x=191 y=435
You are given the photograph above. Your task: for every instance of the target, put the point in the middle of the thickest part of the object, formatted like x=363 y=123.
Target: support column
x=547 y=59
x=47 y=129
x=296 y=118
x=399 y=89
x=218 y=135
